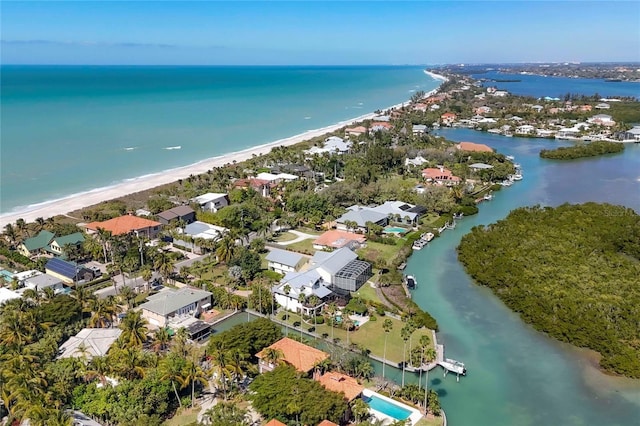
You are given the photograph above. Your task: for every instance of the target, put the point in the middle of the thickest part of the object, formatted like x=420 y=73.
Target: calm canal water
x=516 y=375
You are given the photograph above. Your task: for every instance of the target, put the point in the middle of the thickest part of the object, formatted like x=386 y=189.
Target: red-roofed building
x=335 y=239
x=355 y=131
x=474 y=147
x=448 y=118
x=327 y=423
x=379 y=126
x=261 y=186
x=440 y=176
x=420 y=107
x=126 y=225
x=302 y=357
x=274 y=422
x=338 y=382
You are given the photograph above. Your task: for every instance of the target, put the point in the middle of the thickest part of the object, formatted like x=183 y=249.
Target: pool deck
x=414 y=417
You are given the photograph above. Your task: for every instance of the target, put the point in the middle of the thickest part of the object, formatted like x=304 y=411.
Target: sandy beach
x=95 y=196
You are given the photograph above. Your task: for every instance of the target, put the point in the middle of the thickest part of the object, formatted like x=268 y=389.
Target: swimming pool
x=387 y=407
x=394 y=230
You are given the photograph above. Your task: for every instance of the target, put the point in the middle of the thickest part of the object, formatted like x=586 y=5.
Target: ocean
x=70 y=129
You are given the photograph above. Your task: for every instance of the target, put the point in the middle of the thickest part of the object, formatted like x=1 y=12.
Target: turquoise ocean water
x=68 y=129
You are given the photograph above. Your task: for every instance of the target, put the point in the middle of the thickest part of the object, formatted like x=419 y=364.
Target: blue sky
x=307 y=32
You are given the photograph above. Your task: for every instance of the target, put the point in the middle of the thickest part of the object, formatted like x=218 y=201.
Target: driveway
x=301 y=236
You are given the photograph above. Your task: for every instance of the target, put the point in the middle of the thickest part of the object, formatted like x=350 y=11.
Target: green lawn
x=374 y=251
x=435 y=421
x=285 y=236
x=369 y=336
x=305 y=246
x=367 y=292
x=185 y=417
x=429 y=219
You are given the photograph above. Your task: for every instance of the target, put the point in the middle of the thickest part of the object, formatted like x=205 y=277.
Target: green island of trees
x=592 y=149
x=570 y=271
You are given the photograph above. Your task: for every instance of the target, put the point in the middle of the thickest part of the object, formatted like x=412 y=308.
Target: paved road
x=122 y=281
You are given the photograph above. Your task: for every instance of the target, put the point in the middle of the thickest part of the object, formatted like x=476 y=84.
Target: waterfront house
x=419 y=129
x=283 y=261
x=331 y=145
x=440 y=176
x=335 y=239
x=473 y=147
x=448 y=118
x=480 y=166
x=420 y=107
x=359 y=217
x=36 y=245
x=89 y=343
x=602 y=119
x=355 y=131
x=630 y=135
x=401 y=212
x=275 y=179
x=58 y=244
x=211 y=201
x=525 y=129
x=177 y=214
x=341 y=383
x=500 y=93
x=68 y=272
x=302 y=357
x=169 y=304
x=127 y=224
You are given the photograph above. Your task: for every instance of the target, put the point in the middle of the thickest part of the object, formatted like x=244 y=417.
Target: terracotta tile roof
x=358 y=129
x=338 y=382
x=327 y=423
x=299 y=355
x=476 y=147
x=448 y=114
x=439 y=174
x=338 y=239
x=123 y=224
x=274 y=422
x=381 y=124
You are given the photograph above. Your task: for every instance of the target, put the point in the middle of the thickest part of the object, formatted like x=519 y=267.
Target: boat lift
x=451 y=365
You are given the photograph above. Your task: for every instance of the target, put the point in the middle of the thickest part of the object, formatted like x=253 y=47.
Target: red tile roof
x=123 y=224
x=299 y=355
x=327 y=423
x=476 y=147
x=338 y=239
x=448 y=115
x=439 y=174
x=338 y=382
x=274 y=422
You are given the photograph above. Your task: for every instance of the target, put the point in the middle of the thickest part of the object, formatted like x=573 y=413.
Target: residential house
x=448 y=118
x=331 y=145
x=473 y=147
x=360 y=216
x=355 y=131
x=525 y=129
x=199 y=231
x=419 y=129
x=68 y=272
x=127 y=224
x=537 y=108
x=274 y=422
x=602 y=105
x=36 y=245
x=6 y=295
x=482 y=110
x=168 y=304
x=283 y=261
x=632 y=134
x=602 y=119
x=276 y=178
x=585 y=108
x=211 y=201
x=420 y=107
x=434 y=107
x=327 y=423
x=401 y=212
x=341 y=383
x=89 y=343
x=58 y=244
x=177 y=214
x=379 y=126
x=335 y=239
x=480 y=166
x=42 y=281
x=262 y=187
x=418 y=161
x=440 y=176
x=302 y=357
x=500 y=93
x=341 y=269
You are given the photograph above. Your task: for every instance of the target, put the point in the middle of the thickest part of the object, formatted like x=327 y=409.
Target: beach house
x=302 y=357
x=331 y=145
x=89 y=343
x=127 y=224
x=197 y=231
x=211 y=201
x=41 y=281
x=58 y=244
x=68 y=272
x=169 y=304
x=183 y=214
x=35 y=245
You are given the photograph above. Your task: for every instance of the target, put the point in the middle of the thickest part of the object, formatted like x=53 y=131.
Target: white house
x=173 y=304
x=525 y=129
x=602 y=119
x=419 y=129
x=89 y=342
x=6 y=294
x=211 y=201
x=276 y=178
x=418 y=161
x=332 y=145
x=283 y=261
x=42 y=281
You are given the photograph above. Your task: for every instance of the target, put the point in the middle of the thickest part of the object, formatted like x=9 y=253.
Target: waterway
x=516 y=375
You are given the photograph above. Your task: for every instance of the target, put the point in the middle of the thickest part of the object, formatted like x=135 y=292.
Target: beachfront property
x=211 y=201
x=36 y=245
x=199 y=231
x=127 y=224
x=275 y=179
x=336 y=239
x=440 y=176
x=58 y=244
x=68 y=272
x=183 y=214
x=473 y=147
x=302 y=357
x=632 y=134
x=89 y=343
x=169 y=304
x=331 y=145
x=355 y=131
x=283 y=261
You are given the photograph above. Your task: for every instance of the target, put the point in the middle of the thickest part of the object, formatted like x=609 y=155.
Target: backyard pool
x=395 y=230
x=387 y=407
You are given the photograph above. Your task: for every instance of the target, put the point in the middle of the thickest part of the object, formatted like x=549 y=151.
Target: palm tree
x=10 y=233
x=146 y=274
x=347 y=323
x=104 y=237
x=171 y=368
x=22 y=227
x=405 y=333
x=226 y=249
x=130 y=362
x=387 y=326
x=360 y=410
x=272 y=356
x=84 y=296
x=161 y=340
x=101 y=313
x=126 y=296
x=193 y=373
x=134 y=329
x=98 y=367
x=424 y=344
x=331 y=310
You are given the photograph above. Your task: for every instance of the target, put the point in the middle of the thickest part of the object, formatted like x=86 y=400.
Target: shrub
x=296 y=323
x=311 y=329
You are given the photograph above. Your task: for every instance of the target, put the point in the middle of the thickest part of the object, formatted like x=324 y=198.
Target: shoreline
x=79 y=200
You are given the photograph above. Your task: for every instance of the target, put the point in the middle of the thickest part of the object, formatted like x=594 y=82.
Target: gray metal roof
x=43 y=281
x=481 y=166
x=395 y=207
x=169 y=301
x=284 y=257
x=338 y=260
x=361 y=217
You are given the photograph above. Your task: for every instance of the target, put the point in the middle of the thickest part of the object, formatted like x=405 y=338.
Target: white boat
x=411 y=282
x=453 y=366
x=488 y=197
x=517 y=176
x=418 y=244
x=427 y=236
x=510 y=157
